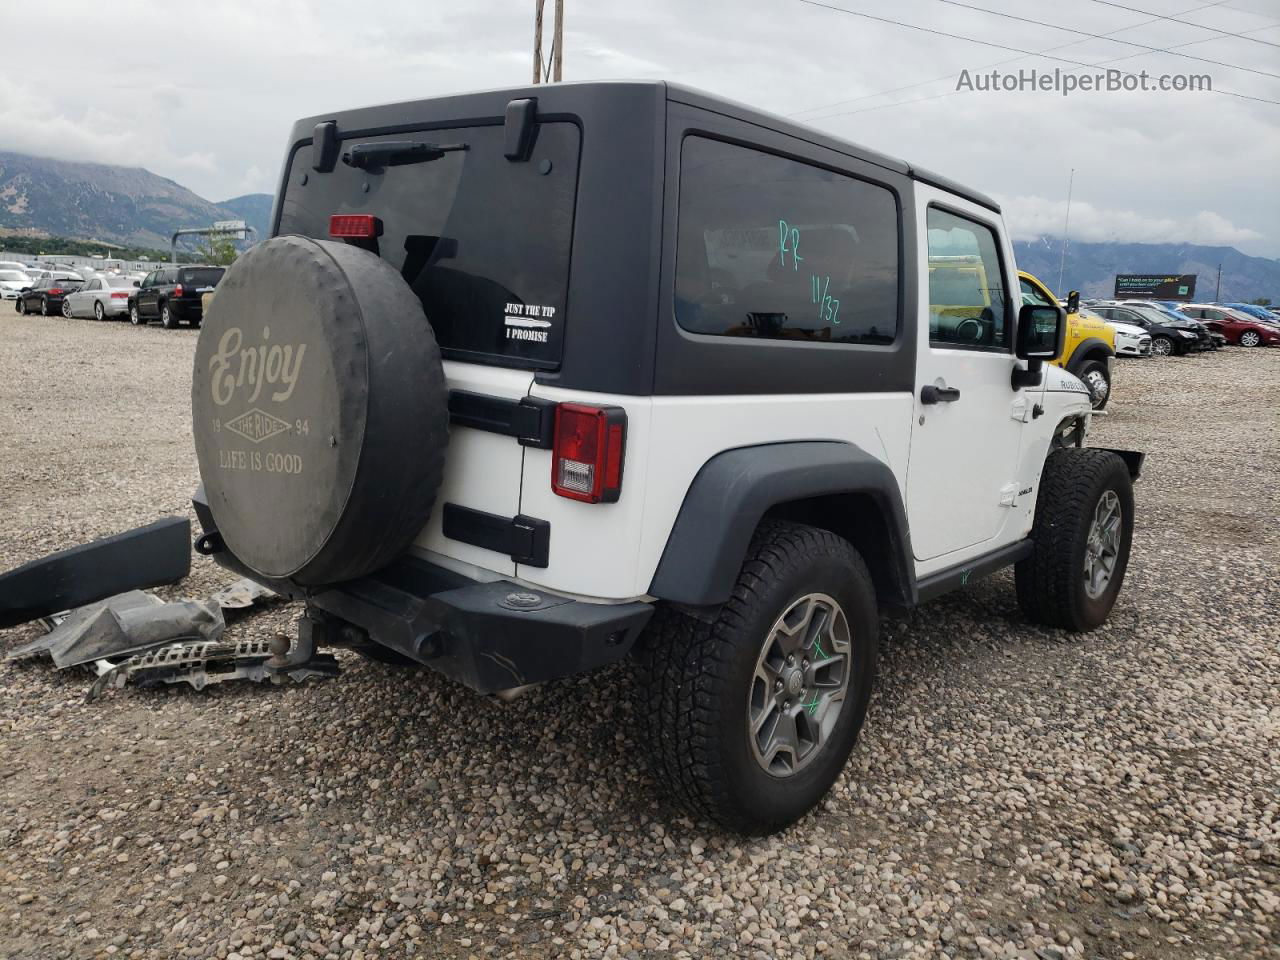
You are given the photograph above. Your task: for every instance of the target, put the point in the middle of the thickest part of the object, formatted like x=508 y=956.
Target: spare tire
x=319 y=411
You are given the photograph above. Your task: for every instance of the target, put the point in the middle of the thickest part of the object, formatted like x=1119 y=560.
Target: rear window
x=776 y=249
x=200 y=276
x=483 y=242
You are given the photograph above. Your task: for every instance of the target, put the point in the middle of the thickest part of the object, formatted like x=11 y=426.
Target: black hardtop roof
x=560 y=97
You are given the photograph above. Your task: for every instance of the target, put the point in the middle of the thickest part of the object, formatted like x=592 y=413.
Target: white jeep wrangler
x=529 y=380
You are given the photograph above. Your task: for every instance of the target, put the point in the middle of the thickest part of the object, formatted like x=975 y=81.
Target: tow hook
x=285 y=656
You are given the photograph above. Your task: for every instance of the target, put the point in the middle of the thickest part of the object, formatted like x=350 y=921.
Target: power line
x=1189 y=23
x=999 y=46
x=1098 y=36
x=1001 y=63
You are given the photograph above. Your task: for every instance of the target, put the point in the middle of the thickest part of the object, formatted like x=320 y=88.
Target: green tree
x=217 y=249
x=1263 y=301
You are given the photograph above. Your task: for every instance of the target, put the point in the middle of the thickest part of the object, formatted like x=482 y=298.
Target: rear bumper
x=488 y=636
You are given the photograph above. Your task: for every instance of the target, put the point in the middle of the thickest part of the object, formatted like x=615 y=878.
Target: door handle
x=932 y=394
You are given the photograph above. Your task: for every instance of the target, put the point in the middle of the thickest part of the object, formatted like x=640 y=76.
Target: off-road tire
x=697 y=674
x=1099 y=367
x=1051 y=582
x=167 y=319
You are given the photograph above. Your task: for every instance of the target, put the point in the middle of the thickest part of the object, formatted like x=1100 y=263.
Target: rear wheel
x=167 y=319
x=1097 y=378
x=1082 y=533
x=98 y=312
x=44 y=306
x=752 y=716
x=1161 y=346
x=1251 y=338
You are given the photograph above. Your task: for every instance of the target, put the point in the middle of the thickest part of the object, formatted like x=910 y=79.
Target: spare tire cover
x=319 y=411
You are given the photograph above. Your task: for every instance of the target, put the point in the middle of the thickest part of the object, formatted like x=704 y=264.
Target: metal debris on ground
x=137 y=638
x=200 y=664
x=243 y=594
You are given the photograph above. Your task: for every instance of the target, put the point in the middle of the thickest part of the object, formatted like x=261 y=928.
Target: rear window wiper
x=396 y=153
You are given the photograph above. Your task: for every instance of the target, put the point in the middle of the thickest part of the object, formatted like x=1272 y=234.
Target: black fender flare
x=734 y=489
x=1091 y=349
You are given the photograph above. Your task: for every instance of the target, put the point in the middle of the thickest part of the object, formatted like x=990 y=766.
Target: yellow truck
x=1090 y=347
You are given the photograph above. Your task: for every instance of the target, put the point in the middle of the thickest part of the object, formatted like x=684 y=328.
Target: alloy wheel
x=1250 y=338
x=98 y=312
x=1161 y=347
x=798 y=690
x=1098 y=386
x=1102 y=548
x=66 y=309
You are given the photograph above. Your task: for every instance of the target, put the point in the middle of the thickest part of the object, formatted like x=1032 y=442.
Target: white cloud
x=1031 y=217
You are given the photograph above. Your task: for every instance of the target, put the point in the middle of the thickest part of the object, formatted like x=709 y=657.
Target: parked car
x=1166 y=340
x=1239 y=328
x=1208 y=338
x=12 y=283
x=747 y=474
x=172 y=295
x=1090 y=345
x=15 y=265
x=102 y=297
x=1253 y=310
x=45 y=296
x=1131 y=339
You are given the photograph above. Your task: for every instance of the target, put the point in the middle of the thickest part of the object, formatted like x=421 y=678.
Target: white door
x=964 y=435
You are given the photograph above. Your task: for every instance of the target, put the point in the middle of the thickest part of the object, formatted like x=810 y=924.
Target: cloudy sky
x=205 y=94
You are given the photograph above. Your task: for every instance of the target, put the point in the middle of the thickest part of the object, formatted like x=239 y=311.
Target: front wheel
x=98 y=312
x=1161 y=346
x=21 y=307
x=1082 y=533
x=1251 y=338
x=1097 y=378
x=66 y=310
x=134 y=316
x=751 y=716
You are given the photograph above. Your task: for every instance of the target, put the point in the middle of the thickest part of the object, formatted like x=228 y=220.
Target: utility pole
x=1217 y=297
x=537 y=42
x=1066 y=232
x=541 y=71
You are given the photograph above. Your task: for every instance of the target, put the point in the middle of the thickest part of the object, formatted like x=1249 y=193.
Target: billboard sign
x=235 y=227
x=1156 y=286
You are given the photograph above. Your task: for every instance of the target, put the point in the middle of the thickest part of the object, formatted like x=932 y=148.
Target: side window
x=146 y=281
x=94 y=285
x=780 y=250
x=1032 y=295
x=968 y=306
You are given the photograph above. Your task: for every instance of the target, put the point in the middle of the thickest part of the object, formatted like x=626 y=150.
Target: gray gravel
x=1016 y=793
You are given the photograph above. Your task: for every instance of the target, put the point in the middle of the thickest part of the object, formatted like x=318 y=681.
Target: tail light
x=55 y=291
x=586 y=456
x=120 y=296
x=356 y=226
x=177 y=291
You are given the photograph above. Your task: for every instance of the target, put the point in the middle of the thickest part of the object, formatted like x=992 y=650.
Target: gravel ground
x=1017 y=792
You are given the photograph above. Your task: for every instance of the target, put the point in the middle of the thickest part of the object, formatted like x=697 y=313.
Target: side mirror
x=1073 y=301
x=1042 y=334
x=137 y=283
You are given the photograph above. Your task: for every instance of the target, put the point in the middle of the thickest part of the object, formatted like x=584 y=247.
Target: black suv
x=172 y=295
x=1168 y=337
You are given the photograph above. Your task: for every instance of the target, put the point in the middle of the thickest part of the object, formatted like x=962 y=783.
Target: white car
x=1131 y=341
x=12 y=282
x=106 y=295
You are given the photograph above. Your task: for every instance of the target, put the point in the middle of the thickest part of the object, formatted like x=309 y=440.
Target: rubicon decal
x=266 y=363
x=257 y=425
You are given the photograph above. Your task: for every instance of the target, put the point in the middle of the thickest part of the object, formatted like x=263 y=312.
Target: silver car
x=101 y=297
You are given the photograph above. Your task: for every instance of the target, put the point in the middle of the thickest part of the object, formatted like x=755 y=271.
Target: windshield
x=118 y=282
x=483 y=242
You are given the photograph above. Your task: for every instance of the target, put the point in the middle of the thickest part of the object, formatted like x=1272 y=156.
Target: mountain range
x=94 y=201
x=97 y=201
